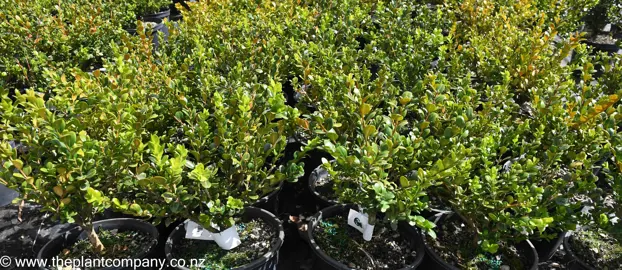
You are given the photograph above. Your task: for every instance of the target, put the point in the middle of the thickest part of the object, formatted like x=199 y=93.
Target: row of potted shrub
x=453 y=129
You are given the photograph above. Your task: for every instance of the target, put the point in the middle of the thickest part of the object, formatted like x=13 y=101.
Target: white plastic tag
x=195 y=231
x=359 y=221
x=227 y=239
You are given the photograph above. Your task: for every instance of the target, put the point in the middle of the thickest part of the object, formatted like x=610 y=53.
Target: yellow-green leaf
x=365 y=109
x=18 y=163
x=58 y=190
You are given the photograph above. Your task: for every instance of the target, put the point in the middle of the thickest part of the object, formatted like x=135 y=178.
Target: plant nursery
x=311 y=134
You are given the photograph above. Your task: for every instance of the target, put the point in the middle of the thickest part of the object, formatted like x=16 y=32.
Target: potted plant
x=152 y=10
x=596 y=245
x=483 y=228
x=602 y=24
x=58 y=38
x=217 y=161
x=176 y=14
x=381 y=172
x=80 y=145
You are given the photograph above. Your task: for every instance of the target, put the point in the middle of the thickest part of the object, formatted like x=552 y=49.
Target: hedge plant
x=72 y=152
x=222 y=154
x=385 y=165
x=42 y=36
x=147 y=7
x=533 y=166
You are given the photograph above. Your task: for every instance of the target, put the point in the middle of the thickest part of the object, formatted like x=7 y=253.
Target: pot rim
x=571 y=254
x=261 y=213
x=313 y=177
x=164 y=11
x=153 y=232
x=432 y=253
x=319 y=252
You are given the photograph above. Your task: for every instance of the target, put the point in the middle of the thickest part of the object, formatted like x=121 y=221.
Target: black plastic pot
x=546 y=249
x=270 y=202
x=158 y=28
x=65 y=240
x=323 y=261
x=175 y=13
x=7 y=195
x=608 y=48
x=175 y=17
x=433 y=261
x=156 y=17
x=317 y=174
x=267 y=261
x=574 y=263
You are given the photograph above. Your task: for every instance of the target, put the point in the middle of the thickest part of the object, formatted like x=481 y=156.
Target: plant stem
x=93 y=238
x=371 y=218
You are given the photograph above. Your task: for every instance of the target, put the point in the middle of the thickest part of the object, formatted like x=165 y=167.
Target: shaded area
x=25 y=239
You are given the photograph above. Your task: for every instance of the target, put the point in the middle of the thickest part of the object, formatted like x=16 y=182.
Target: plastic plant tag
x=227 y=239
x=196 y=231
x=359 y=221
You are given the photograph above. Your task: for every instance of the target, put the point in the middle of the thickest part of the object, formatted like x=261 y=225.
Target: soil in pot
x=386 y=250
x=556 y=262
x=324 y=186
x=454 y=245
x=118 y=245
x=603 y=39
x=256 y=236
x=598 y=248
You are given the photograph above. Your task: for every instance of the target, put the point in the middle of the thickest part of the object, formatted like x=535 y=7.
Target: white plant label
x=196 y=231
x=227 y=239
x=359 y=221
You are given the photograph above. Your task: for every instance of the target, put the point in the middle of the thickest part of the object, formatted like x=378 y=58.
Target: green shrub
x=222 y=154
x=72 y=153
x=383 y=164
x=538 y=135
x=147 y=7
x=43 y=36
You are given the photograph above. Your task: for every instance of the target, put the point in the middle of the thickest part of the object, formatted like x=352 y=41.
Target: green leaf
x=59 y=125
x=329 y=145
x=168 y=197
x=332 y=135
x=365 y=109
x=176 y=207
x=448 y=133
x=432 y=234
x=490 y=247
x=234 y=203
x=342 y=151
x=91 y=173
x=433 y=116
x=439 y=165
x=116 y=202
x=135 y=208
x=369 y=130
x=92 y=195
x=460 y=121
x=158 y=180
x=603 y=220
x=27 y=170
x=18 y=163
x=71 y=139
x=142 y=168
x=404 y=181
